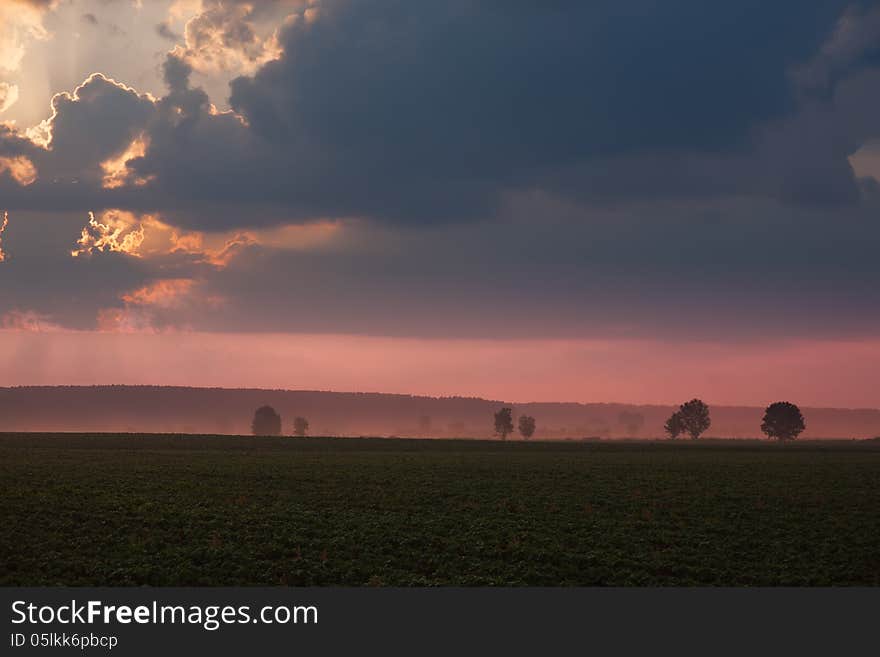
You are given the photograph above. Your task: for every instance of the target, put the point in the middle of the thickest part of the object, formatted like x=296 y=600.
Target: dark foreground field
x=160 y=510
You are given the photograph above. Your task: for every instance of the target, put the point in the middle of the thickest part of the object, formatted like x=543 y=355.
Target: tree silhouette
x=425 y=425
x=266 y=422
x=526 y=426
x=504 y=422
x=674 y=425
x=695 y=417
x=783 y=421
x=300 y=426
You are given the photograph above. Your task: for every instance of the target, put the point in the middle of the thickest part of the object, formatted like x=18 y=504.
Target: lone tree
x=425 y=425
x=783 y=421
x=695 y=417
x=504 y=422
x=674 y=425
x=266 y=422
x=526 y=426
x=300 y=426
x=631 y=421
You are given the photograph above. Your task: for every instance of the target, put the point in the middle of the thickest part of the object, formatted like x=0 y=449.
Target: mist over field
x=145 y=409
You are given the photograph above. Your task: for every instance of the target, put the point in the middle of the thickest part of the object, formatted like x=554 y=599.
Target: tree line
x=267 y=422
x=782 y=421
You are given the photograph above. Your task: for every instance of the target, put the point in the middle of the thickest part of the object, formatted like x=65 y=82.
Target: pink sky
x=811 y=373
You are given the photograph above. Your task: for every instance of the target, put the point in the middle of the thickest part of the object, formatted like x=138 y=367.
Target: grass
x=165 y=510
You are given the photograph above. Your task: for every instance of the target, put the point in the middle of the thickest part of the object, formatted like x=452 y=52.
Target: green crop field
x=164 y=510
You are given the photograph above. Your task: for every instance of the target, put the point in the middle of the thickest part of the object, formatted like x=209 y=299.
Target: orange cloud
x=20 y=168
x=866 y=161
x=147 y=236
x=21 y=21
x=28 y=320
x=160 y=305
x=223 y=37
x=296 y=237
x=164 y=293
x=8 y=95
x=182 y=8
x=117 y=231
x=216 y=250
x=3 y=225
x=125 y=320
x=116 y=171
x=156 y=307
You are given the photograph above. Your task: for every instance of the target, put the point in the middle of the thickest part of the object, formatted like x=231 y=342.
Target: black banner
x=231 y=621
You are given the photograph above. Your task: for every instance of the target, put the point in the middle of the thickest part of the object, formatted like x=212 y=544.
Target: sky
x=522 y=200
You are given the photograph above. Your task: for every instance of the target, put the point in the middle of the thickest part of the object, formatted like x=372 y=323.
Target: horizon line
x=417 y=396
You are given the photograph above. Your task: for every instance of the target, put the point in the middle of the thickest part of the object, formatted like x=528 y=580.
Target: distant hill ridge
x=225 y=410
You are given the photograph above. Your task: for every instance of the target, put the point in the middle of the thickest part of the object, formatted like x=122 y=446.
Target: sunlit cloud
x=8 y=95
x=116 y=232
x=28 y=320
x=148 y=236
x=222 y=37
x=157 y=307
x=20 y=168
x=180 y=9
x=218 y=249
x=3 y=225
x=21 y=22
x=116 y=171
x=165 y=293
x=295 y=237
x=124 y=320
x=40 y=134
x=866 y=161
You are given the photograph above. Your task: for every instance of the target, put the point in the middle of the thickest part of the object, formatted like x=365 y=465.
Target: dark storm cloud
x=418 y=109
x=733 y=271
x=91 y=125
x=41 y=277
x=854 y=44
x=11 y=143
x=739 y=270
x=635 y=168
x=430 y=111
x=423 y=111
